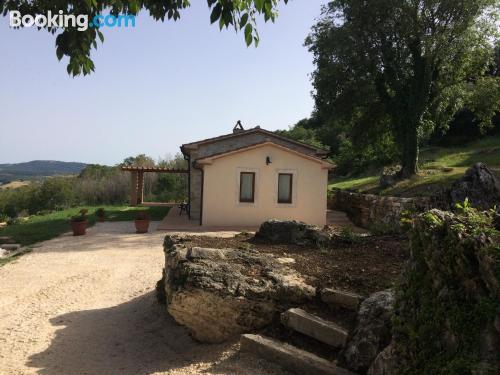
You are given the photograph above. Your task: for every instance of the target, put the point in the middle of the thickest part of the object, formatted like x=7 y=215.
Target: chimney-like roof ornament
x=238 y=127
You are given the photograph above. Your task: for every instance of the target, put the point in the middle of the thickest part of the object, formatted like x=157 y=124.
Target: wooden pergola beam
x=137 y=180
x=153 y=169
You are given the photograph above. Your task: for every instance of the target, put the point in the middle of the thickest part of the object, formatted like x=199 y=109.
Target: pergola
x=137 y=179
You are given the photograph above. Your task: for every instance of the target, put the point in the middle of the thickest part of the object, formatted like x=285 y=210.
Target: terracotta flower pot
x=142 y=226
x=79 y=227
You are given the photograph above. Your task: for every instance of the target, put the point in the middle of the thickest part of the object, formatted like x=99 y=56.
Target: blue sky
x=156 y=86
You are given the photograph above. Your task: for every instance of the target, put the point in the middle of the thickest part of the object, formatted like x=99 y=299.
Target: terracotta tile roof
x=209 y=158
x=186 y=146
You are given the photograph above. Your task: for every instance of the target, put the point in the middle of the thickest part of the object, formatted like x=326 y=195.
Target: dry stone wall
x=374 y=211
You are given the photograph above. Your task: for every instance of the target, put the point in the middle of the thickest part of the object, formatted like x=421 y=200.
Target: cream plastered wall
x=221 y=204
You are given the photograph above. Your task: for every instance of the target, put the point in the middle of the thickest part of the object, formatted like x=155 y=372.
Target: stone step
x=288 y=356
x=339 y=298
x=10 y=247
x=315 y=327
x=6 y=240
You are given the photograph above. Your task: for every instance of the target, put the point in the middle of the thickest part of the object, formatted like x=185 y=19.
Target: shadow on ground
x=136 y=337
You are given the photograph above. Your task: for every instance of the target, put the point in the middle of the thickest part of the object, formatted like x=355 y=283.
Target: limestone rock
x=479 y=185
x=220 y=293
x=292 y=232
x=340 y=298
x=389 y=176
x=6 y=240
x=386 y=362
x=372 y=333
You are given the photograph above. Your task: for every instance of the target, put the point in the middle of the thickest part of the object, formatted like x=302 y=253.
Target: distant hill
x=36 y=169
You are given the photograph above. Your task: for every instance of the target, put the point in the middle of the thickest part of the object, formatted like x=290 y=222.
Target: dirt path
x=86 y=305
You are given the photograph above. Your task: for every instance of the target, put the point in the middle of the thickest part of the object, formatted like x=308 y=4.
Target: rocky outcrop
x=220 y=293
x=386 y=363
x=292 y=232
x=479 y=185
x=372 y=333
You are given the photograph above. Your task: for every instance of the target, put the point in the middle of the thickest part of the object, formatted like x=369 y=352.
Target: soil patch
x=365 y=266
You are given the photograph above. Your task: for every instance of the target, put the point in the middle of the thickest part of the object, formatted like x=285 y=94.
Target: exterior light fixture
x=268 y=160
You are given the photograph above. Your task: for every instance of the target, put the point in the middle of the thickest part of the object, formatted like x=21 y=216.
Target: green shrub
x=449 y=295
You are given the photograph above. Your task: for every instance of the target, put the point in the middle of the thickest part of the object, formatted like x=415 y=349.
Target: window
x=247 y=187
x=285 y=187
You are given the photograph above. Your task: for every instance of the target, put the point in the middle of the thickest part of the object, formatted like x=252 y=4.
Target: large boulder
x=479 y=185
x=292 y=232
x=372 y=333
x=220 y=293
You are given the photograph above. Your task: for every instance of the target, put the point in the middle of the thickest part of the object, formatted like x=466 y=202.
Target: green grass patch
x=355 y=183
x=39 y=228
x=439 y=168
x=486 y=150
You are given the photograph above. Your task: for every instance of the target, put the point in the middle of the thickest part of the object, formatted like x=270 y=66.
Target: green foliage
x=172 y=187
x=78 y=45
x=100 y=212
x=439 y=168
x=304 y=132
x=447 y=299
x=81 y=216
x=390 y=71
x=51 y=194
x=383 y=229
x=140 y=160
x=347 y=235
x=95 y=185
x=37 y=228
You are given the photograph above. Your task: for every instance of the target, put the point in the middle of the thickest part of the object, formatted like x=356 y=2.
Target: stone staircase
x=326 y=334
x=8 y=247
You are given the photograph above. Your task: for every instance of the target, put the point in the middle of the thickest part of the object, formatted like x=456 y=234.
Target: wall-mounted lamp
x=268 y=160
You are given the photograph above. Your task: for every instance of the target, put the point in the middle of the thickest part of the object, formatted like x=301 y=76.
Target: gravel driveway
x=86 y=305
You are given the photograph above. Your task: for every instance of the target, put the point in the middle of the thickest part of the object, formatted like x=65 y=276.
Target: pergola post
x=137 y=180
x=140 y=188
x=133 y=188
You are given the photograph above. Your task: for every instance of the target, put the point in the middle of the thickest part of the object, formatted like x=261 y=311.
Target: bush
x=52 y=194
x=95 y=185
x=448 y=298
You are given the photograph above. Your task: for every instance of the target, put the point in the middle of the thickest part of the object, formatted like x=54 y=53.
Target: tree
x=141 y=160
x=172 y=187
x=401 y=65
x=302 y=131
x=77 y=45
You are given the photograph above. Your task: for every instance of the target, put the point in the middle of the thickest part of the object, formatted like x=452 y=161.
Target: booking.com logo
x=80 y=21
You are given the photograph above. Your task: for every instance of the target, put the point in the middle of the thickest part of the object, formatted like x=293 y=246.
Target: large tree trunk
x=410 y=151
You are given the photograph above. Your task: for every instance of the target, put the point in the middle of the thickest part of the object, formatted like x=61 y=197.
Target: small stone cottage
x=249 y=176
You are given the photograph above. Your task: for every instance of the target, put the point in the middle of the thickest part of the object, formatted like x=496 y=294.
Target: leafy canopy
x=402 y=67
x=77 y=45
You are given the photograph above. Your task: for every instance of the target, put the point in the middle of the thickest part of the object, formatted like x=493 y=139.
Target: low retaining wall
x=373 y=211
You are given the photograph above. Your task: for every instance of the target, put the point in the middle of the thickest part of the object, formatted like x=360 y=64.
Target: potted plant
x=101 y=214
x=79 y=223
x=142 y=222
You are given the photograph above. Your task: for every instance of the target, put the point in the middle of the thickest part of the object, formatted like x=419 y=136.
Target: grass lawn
x=39 y=228
x=439 y=168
